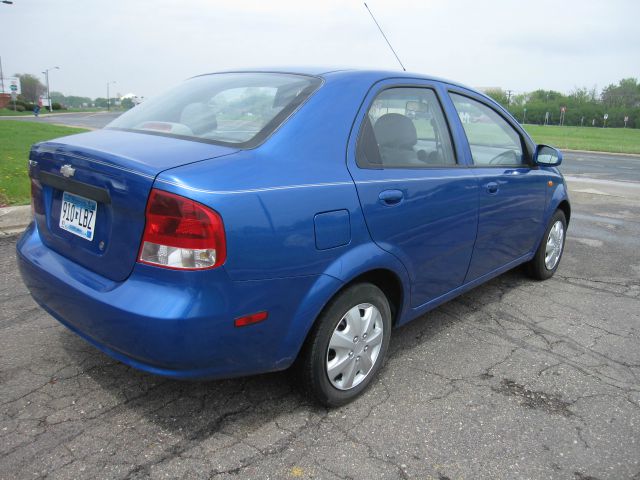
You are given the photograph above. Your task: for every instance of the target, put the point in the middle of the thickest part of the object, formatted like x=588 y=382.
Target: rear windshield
x=239 y=109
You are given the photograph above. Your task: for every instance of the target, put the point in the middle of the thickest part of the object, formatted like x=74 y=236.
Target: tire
x=341 y=345
x=542 y=267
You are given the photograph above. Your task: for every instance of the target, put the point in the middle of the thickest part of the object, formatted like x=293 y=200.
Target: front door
x=419 y=203
x=512 y=190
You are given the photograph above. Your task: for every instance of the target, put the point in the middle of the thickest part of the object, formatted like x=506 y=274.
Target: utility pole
x=46 y=73
x=509 y=92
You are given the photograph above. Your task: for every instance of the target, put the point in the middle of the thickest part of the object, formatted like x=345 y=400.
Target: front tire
x=547 y=258
x=347 y=345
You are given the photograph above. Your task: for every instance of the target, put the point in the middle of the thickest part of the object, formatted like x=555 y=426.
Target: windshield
x=239 y=109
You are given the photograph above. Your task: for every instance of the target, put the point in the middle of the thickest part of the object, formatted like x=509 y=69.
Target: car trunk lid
x=104 y=177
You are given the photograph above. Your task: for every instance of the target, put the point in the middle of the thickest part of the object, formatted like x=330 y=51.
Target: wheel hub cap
x=354 y=346
x=555 y=241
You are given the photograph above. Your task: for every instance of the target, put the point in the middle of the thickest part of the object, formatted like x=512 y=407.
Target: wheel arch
x=364 y=263
x=387 y=281
x=566 y=209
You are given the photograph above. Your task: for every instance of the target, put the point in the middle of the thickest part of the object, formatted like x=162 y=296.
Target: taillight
x=180 y=233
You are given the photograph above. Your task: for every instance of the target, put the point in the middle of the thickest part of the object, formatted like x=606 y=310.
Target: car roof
x=327 y=72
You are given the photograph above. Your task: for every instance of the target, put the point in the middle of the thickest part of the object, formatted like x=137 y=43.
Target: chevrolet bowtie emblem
x=67 y=170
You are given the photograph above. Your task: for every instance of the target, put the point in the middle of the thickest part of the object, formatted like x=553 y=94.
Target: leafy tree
x=625 y=94
x=127 y=103
x=498 y=95
x=71 y=101
x=31 y=87
x=101 y=102
x=544 y=96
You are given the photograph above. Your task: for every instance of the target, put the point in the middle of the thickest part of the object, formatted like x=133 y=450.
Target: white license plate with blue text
x=78 y=215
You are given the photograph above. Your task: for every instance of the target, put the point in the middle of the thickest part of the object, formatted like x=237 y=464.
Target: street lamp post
x=46 y=74
x=109 y=99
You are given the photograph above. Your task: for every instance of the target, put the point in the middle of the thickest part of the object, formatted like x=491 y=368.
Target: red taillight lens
x=180 y=233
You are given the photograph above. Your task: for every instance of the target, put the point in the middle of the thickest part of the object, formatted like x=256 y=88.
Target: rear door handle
x=492 y=188
x=391 y=197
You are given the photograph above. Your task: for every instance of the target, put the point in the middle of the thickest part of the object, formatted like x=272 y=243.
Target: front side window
x=405 y=128
x=240 y=109
x=492 y=140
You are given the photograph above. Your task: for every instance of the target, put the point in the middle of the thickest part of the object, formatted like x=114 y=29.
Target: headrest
x=395 y=130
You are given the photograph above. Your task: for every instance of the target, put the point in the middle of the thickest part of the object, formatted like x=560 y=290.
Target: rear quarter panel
x=268 y=196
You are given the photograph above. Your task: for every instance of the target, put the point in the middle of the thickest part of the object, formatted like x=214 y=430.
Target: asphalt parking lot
x=516 y=379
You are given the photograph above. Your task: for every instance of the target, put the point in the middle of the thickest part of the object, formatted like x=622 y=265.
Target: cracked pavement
x=515 y=379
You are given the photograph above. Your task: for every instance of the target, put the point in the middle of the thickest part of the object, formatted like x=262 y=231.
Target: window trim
x=369 y=166
x=523 y=143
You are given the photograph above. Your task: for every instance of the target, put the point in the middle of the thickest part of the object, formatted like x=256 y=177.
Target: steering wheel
x=508 y=157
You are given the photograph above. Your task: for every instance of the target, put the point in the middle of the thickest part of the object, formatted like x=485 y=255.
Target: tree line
x=586 y=107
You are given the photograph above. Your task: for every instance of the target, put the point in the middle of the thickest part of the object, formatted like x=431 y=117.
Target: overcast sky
x=149 y=45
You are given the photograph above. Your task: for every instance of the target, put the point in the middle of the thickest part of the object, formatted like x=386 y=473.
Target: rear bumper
x=172 y=323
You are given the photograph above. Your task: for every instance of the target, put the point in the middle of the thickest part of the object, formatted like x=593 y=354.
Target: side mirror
x=547 y=156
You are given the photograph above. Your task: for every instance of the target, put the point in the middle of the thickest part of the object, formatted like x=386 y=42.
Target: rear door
x=512 y=190
x=419 y=201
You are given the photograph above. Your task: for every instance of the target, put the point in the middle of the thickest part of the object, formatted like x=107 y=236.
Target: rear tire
x=346 y=347
x=547 y=258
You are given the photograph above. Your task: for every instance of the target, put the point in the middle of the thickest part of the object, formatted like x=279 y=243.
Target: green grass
x=17 y=138
x=616 y=140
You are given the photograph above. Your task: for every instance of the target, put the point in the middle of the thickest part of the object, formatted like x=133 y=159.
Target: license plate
x=78 y=215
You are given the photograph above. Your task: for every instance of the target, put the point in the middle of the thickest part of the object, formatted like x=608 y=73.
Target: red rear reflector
x=250 y=319
x=180 y=233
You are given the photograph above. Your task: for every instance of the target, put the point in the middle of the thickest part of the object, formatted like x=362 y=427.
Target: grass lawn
x=16 y=140
x=617 y=140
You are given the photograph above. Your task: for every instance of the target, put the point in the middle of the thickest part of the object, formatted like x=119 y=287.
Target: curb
x=13 y=220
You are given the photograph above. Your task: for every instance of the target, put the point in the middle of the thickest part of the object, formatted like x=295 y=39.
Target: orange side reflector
x=250 y=319
x=550 y=183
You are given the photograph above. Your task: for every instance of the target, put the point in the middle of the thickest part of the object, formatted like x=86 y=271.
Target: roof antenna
x=385 y=37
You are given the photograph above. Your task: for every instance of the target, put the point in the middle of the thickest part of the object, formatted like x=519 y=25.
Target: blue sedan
x=246 y=222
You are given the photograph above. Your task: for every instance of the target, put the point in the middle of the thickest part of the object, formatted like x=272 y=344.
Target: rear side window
x=405 y=128
x=492 y=140
x=238 y=109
